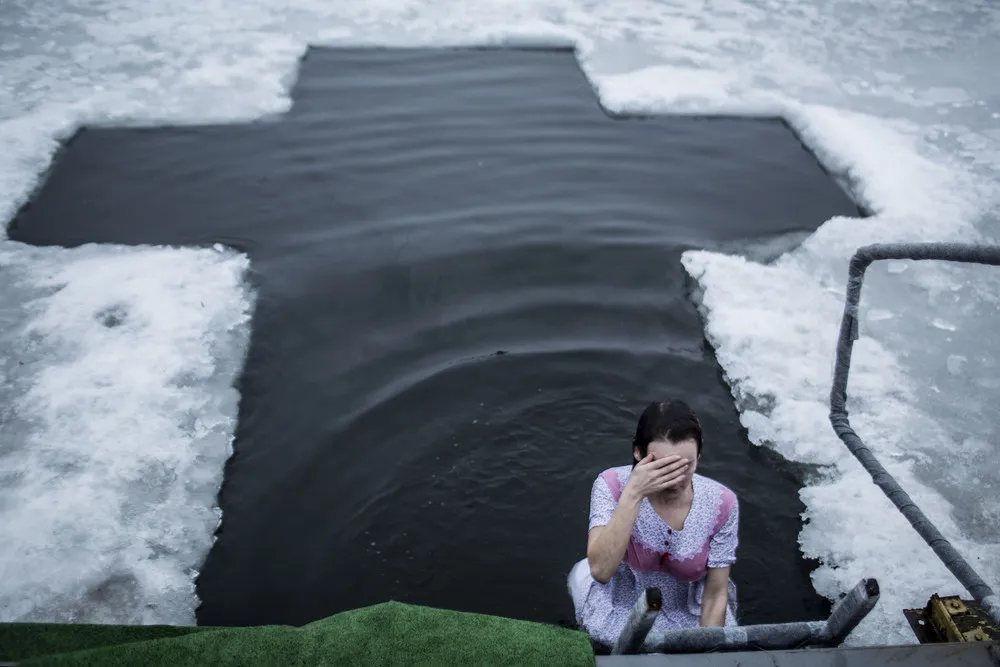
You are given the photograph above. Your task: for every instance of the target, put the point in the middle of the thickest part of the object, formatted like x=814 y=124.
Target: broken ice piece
x=955 y=363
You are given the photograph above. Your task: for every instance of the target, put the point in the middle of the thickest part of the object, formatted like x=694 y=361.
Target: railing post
x=644 y=613
x=851 y=610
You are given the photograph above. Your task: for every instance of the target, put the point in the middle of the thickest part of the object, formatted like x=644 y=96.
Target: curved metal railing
x=950 y=252
x=846 y=614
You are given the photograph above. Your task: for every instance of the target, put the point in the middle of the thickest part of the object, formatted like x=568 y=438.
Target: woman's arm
x=606 y=544
x=715 y=597
x=721 y=556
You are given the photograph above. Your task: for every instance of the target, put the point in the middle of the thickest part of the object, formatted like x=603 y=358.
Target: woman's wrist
x=630 y=497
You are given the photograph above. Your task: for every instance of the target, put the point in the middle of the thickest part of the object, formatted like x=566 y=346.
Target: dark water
x=469 y=288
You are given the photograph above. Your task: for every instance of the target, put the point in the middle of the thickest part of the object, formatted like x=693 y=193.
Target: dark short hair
x=672 y=420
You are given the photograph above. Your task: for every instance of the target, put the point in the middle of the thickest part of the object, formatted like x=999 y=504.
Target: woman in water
x=656 y=523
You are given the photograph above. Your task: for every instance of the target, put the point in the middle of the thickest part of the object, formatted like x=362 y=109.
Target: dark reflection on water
x=414 y=214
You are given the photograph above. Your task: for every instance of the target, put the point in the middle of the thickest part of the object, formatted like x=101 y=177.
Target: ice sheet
x=899 y=100
x=118 y=415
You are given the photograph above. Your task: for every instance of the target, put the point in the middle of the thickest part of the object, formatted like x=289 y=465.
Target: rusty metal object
x=951 y=619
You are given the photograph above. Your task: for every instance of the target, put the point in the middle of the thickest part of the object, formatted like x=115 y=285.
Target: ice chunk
x=879 y=314
x=117 y=384
x=956 y=363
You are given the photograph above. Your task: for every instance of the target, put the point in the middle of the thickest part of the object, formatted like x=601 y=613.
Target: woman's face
x=686 y=449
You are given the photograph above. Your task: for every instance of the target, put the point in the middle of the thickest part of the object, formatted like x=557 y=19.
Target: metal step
x=962 y=654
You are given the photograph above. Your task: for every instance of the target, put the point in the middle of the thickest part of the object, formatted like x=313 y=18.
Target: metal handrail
x=846 y=614
x=950 y=252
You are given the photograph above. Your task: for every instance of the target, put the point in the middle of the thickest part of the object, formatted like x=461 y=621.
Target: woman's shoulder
x=614 y=478
x=620 y=472
x=727 y=495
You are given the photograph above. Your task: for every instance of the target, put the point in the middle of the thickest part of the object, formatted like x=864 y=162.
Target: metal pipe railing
x=844 y=617
x=950 y=252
